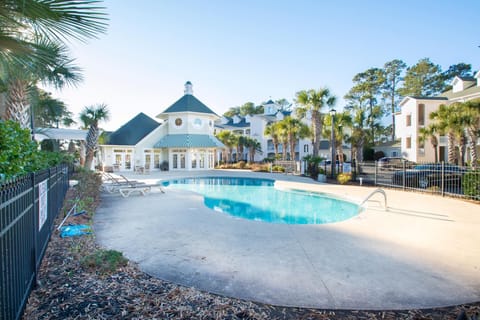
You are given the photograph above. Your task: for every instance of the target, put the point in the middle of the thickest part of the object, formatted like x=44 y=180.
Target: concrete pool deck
x=424 y=251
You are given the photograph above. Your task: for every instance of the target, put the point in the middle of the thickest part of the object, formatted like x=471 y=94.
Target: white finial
x=188 y=88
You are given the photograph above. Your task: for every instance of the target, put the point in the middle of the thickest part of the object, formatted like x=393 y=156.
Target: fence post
x=443 y=178
x=376 y=172
x=354 y=170
x=35 y=228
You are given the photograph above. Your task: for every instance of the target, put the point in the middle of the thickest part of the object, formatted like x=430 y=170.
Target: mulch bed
x=69 y=289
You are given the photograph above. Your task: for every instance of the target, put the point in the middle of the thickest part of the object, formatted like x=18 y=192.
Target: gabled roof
x=404 y=100
x=241 y=124
x=133 y=131
x=189 y=141
x=187 y=103
x=466 y=78
x=471 y=90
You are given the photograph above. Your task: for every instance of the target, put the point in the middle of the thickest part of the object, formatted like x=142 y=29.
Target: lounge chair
x=113 y=183
x=126 y=191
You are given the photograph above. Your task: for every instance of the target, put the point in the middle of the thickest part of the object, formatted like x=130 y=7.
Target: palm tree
x=471 y=121
x=283 y=138
x=272 y=130
x=228 y=139
x=358 y=135
x=56 y=69
x=92 y=115
x=241 y=141
x=32 y=49
x=311 y=102
x=343 y=120
x=21 y=21
x=253 y=146
x=293 y=129
x=446 y=124
x=430 y=132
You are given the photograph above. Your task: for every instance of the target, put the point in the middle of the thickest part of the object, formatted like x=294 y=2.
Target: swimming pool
x=258 y=199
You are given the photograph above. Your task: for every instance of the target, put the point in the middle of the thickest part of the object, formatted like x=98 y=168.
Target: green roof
x=188 y=103
x=189 y=141
x=133 y=131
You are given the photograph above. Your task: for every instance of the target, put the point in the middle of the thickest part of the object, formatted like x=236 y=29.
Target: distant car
x=428 y=175
x=392 y=162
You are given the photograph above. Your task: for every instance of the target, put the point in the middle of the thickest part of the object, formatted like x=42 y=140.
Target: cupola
x=188 y=88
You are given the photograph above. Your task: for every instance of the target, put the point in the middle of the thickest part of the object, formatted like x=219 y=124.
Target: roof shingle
x=133 y=131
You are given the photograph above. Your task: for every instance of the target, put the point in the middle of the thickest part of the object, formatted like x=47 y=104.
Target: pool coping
x=418 y=254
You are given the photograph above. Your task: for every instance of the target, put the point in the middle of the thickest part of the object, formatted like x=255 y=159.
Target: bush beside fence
x=28 y=208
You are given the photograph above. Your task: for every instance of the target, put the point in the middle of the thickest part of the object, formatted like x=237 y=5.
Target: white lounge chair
x=126 y=191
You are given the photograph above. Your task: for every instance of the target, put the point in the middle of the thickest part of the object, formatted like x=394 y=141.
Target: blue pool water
x=257 y=199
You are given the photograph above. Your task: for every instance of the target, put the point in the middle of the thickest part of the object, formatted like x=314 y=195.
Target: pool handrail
x=378 y=190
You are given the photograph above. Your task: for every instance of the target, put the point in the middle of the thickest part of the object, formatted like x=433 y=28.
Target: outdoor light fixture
x=332 y=115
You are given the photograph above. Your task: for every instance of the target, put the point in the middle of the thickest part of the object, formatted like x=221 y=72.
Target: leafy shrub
x=278 y=169
x=343 y=178
x=241 y=164
x=378 y=154
x=471 y=184
x=312 y=166
x=256 y=167
x=19 y=154
x=17 y=150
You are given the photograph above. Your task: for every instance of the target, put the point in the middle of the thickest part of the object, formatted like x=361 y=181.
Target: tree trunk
x=472 y=139
x=462 y=148
x=393 y=109
x=91 y=148
x=82 y=153
x=16 y=104
x=451 y=147
x=434 y=142
x=317 y=131
x=252 y=154
x=275 y=148
x=292 y=150
x=284 y=150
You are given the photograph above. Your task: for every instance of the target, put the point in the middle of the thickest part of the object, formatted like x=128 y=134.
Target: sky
x=235 y=52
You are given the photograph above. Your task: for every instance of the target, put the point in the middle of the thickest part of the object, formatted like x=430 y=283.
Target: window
x=305 y=148
x=409 y=120
x=421 y=146
x=175 y=159
x=421 y=114
x=197 y=123
x=409 y=142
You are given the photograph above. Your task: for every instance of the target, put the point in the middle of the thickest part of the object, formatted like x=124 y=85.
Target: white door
x=178 y=161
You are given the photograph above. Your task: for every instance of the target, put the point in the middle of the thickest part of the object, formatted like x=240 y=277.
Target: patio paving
x=423 y=252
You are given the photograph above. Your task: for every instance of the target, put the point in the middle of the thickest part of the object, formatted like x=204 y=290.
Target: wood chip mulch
x=67 y=289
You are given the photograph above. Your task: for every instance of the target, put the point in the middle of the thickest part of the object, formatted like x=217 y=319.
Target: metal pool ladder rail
x=378 y=190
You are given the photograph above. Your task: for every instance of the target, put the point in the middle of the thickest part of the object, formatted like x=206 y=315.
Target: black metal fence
x=439 y=178
x=28 y=208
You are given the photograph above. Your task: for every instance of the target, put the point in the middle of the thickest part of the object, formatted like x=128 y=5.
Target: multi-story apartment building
x=254 y=127
x=415 y=114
